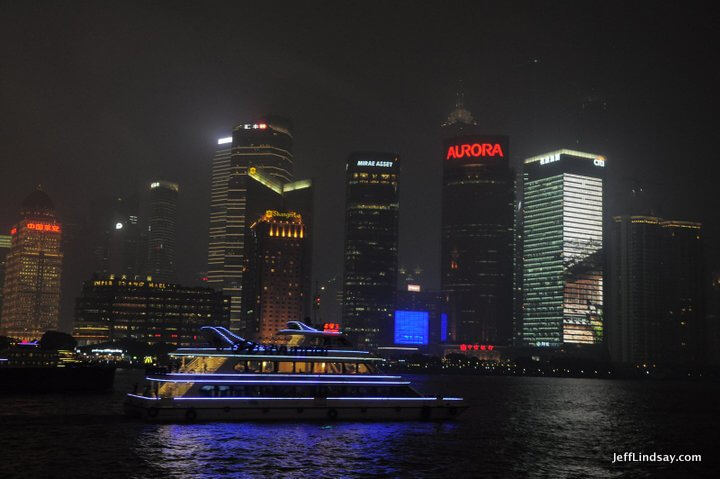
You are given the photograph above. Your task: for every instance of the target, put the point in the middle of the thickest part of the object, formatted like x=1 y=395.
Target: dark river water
x=516 y=427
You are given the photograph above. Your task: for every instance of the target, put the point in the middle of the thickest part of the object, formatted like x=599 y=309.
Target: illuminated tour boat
x=313 y=375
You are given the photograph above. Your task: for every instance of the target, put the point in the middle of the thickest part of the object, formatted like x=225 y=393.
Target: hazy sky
x=99 y=98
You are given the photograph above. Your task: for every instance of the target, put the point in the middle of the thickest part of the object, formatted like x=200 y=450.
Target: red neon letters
x=43 y=227
x=475 y=347
x=475 y=150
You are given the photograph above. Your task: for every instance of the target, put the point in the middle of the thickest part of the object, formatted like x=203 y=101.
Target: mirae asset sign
x=382 y=164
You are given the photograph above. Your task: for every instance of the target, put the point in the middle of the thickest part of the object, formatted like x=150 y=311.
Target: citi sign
x=474 y=150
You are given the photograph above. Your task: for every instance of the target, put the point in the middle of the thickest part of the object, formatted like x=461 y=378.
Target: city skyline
x=512 y=87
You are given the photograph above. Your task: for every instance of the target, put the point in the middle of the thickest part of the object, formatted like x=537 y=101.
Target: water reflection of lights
x=292 y=449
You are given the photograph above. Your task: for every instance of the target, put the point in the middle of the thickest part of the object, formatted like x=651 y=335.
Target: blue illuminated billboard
x=412 y=327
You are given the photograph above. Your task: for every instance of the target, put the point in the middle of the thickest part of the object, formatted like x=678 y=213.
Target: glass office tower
x=563 y=249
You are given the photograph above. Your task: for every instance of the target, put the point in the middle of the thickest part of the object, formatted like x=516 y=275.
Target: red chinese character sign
x=45 y=227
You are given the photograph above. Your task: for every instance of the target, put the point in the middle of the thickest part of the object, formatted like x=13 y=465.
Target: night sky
x=101 y=98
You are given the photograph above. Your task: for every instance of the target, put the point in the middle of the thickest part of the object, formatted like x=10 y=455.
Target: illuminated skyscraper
x=162 y=230
x=31 y=303
x=371 y=247
x=248 y=173
x=563 y=249
x=477 y=239
x=273 y=279
x=299 y=196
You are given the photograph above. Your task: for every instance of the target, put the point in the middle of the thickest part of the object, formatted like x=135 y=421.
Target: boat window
x=350 y=368
x=206 y=391
x=267 y=391
x=303 y=367
x=241 y=366
x=268 y=366
x=222 y=391
x=285 y=367
x=254 y=366
x=334 y=368
x=351 y=391
x=319 y=368
x=239 y=391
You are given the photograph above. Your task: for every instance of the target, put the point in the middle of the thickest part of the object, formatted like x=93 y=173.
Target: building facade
x=119 y=242
x=273 y=280
x=5 y=243
x=162 y=229
x=248 y=173
x=371 y=247
x=477 y=238
x=33 y=268
x=563 y=262
x=413 y=299
x=112 y=309
x=656 y=301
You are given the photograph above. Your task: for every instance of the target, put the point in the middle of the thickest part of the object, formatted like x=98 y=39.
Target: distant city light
x=118 y=226
x=227 y=139
x=154 y=185
x=415 y=288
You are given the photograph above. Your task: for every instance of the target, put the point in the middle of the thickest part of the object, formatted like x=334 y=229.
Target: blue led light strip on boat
x=262 y=381
x=298 y=399
x=295 y=375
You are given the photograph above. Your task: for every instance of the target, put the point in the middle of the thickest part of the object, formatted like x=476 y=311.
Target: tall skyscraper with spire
x=31 y=304
x=460 y=120
x=478 y=196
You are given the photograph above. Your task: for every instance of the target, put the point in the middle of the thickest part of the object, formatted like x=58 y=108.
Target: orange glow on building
x=272 y=284
x=31 y=304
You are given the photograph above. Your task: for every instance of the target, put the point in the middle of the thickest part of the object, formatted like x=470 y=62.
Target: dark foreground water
x=516 y=427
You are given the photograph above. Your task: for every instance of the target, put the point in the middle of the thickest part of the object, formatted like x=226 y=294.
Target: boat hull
x=231 y=409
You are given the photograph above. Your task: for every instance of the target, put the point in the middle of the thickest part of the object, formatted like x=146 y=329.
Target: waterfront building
x=273 y=279
x=116 y=308
x=413 y=299
x=478 y=197
x=249 y=171
x=162 y=230
x=33 y=268
x=563 y=264
x=371 y=247
x=656 y=300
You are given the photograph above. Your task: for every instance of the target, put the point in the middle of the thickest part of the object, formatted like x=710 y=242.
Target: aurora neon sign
x=474 y=150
